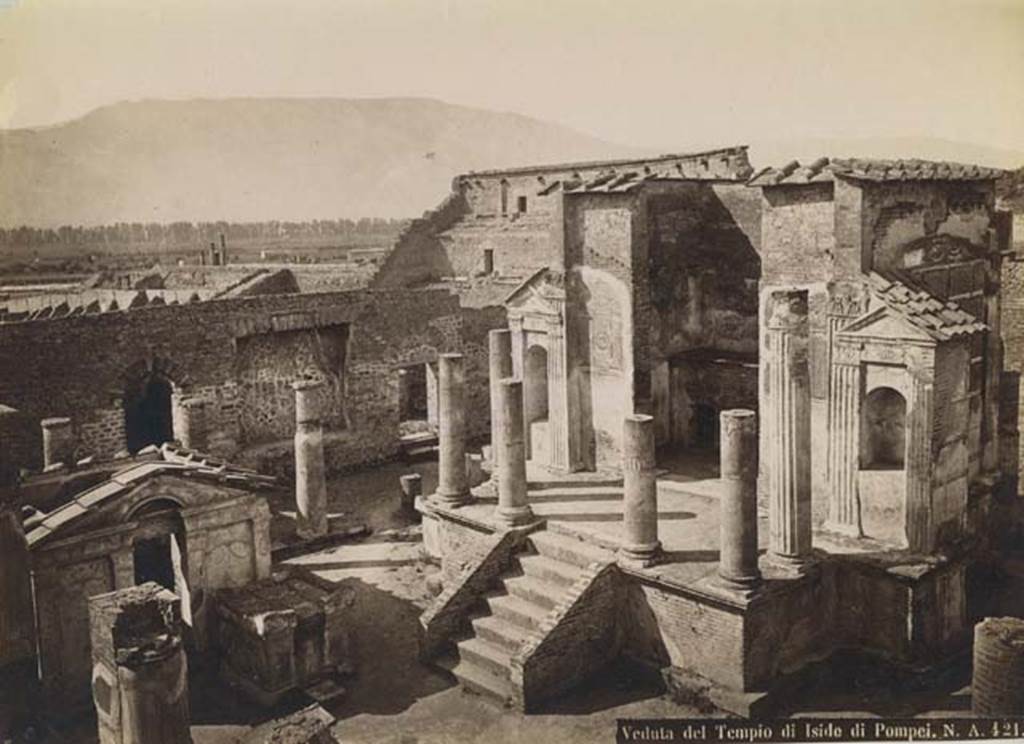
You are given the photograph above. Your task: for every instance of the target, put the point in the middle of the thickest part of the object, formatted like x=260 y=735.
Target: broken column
x=452 y=485
x=140 y=673
x=640 y=544
x=737 y=566
x=997 y=685
x=788 y=394
x=510 y=453
x=310 y=478
x=58 y=442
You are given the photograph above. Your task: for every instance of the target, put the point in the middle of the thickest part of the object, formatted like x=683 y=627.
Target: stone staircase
x=527 y=595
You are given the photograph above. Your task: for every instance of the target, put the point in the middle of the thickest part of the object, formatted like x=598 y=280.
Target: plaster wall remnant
x=310 y=478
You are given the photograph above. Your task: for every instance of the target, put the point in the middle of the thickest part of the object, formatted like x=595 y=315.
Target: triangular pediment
x=543 y=292
x=885 y=324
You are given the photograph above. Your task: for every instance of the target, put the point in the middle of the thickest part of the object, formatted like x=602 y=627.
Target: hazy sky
x=641 y=72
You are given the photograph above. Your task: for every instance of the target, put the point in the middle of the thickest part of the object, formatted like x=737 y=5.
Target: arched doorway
x=883 y=430
x=535 y=401
x=147 y=412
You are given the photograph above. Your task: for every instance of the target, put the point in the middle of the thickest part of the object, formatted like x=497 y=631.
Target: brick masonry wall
x=663 y=628
x=578 y=638
x=79 y=366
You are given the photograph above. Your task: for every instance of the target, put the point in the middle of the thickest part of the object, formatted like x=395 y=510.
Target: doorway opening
x=705 y=427
x=147 y=413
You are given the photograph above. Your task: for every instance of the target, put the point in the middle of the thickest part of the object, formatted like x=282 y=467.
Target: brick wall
x=78 y=366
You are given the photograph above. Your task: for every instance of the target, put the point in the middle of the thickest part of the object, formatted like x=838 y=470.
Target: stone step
x=485 y=655
x=567 y=549
x=500 y=632
x=477 y=679
x=535 y=590
x=557 y=572
x=517 y=611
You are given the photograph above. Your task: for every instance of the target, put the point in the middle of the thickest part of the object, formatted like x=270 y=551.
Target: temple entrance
x=147 y=413
x=535 y=402
x=883 y=430
x=159 y=550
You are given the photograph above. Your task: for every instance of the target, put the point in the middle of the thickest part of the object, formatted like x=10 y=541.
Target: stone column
x=140 y=673
x=737 y=564
x=58 y=442
x=17 y=624
x=310 y=477
x=499 y=343
x=452 y=486
x=997 y=684
x=789 y=448
x=513 y=508
x=844 y=444
x=640 y=544
x=558 y=396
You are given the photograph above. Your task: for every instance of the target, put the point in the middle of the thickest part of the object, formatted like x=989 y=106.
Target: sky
x=637 y=72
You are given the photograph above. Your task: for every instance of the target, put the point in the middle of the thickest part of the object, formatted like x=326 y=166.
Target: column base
x=792 y=566
x=640 y=556
x=514 y=516
x=452 y=500
x=840 y=528
x=743 y=586
x=311 y=531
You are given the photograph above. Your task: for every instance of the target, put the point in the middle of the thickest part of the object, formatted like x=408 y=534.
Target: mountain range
x=299 y=159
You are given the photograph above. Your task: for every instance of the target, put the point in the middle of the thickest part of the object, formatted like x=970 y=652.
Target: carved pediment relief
x=543 y=293
x=933 y=250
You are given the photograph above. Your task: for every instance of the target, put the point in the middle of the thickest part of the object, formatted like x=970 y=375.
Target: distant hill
x=264 y=159
x=254 y=160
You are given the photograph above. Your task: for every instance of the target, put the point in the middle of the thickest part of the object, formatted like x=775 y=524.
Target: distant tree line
x=183 y=233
